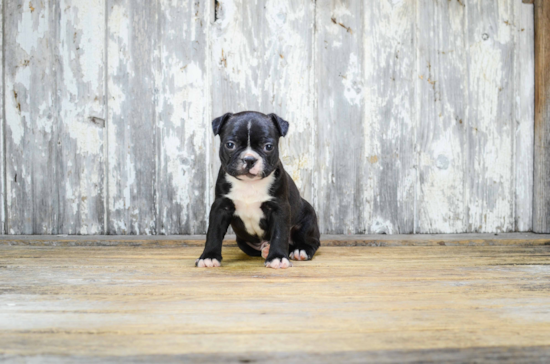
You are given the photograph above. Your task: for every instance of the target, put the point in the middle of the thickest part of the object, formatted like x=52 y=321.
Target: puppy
x=256 y=195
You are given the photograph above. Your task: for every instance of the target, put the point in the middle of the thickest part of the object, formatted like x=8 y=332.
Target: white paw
x=278 y=263
x=265 y=249
x=207 y=263
x=298 y=255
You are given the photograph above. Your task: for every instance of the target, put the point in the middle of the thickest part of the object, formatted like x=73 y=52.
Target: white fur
x=248 y=195
x=278 y=263
x=298 y=255
x=207 y=263
x=259 y=166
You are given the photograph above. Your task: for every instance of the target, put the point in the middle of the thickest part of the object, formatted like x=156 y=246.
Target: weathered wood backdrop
x=406 y=115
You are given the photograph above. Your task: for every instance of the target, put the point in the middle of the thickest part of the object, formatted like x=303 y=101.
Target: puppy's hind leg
x=305 y=235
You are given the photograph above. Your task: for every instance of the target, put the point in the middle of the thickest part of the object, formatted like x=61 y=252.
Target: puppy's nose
x=249 y=161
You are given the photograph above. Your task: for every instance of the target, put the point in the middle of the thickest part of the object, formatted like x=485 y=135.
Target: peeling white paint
x=441 y=145
x=32 y=27
x=352 y=81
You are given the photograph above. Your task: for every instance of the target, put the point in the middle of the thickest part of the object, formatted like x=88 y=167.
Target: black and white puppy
x=256 y=195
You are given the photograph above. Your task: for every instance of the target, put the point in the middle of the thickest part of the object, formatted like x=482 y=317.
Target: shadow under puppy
x=257 y=196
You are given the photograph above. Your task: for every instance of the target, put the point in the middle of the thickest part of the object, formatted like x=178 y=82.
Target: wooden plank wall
x=407 y=116
x=541 y=218
x=2 y=118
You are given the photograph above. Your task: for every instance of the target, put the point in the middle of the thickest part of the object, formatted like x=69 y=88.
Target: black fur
x=290 y=222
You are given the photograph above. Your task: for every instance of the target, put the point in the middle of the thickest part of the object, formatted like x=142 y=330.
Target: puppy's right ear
x=217 y=123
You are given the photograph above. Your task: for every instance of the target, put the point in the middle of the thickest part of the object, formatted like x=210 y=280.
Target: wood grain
x=541 y=211
x=490 y=130
x=100 y=302
x=442 y=121
x=81 y=105
x=2 y=128
x=54 y=74
x=491 y=354
x=389 y=117
x=375 y=240
x=524 y=108
x=340 y=86
x=31 y=135
x=183 y=112
x=132 y=125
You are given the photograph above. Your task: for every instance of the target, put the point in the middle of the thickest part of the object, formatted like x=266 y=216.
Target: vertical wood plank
x=524 y=97
x=80 y=92
x=262 y=57
x=131 y=127
x=340 y=91
x=31 y=117
x=54 y=74
x=490 y=52
x=183 y=115
x=442 y=121
x=2 y=126
x=389 y=128
x=541 y=211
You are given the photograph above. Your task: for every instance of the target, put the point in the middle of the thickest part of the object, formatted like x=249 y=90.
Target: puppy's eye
x=269 y=147
x=230 y=145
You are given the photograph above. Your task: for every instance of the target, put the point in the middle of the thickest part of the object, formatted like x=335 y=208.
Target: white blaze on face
x=259 y=166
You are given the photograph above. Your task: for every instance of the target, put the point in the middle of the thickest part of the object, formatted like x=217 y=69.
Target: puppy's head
x=249 y=146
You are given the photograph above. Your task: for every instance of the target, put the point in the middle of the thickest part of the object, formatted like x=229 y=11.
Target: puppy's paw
x=299 y=255
x=277 y=263
x=264 y=249
x=207 y=263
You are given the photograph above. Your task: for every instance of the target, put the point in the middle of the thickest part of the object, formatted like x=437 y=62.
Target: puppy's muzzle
x=249 y=161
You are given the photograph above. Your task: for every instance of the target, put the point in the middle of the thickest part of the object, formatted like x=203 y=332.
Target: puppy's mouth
x=251 y=175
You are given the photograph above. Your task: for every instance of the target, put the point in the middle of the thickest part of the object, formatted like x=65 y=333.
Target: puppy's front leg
x=221 y=213
x=280 y=237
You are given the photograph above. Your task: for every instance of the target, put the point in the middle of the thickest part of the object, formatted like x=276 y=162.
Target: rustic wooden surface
x=524 y=107
x=541 y=211
x=494 y=354
x=406 y=116
x=31 y=41
x=489 y=39
x=2 y=118
x=128 y=303
x=503 y=239
x=81 y=91
x=132 y=122
x=390 y=116
x=442 y=85
x=183 y=102
x=54 y=152
x=339 y=87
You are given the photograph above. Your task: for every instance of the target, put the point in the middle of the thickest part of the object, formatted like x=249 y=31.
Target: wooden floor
x=350 y=304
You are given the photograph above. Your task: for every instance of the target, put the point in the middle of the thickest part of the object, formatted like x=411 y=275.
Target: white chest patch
x=248 y=196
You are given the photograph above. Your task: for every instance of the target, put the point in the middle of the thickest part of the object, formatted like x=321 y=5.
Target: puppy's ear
x=282 y=125
x=218 y=122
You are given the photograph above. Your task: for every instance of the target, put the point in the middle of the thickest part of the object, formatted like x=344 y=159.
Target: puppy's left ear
x=218 y=122
x=282 y=125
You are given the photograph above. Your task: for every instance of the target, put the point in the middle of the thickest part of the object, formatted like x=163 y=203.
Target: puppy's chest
x=248 y=196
